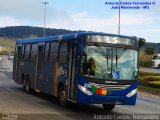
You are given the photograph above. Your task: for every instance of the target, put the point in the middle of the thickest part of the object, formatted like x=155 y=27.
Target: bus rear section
x=85 y=68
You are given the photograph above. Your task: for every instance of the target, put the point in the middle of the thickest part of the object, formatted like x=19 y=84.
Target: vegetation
x=149 y=45
x=27 y=31
x=155 y=84
x=6 y=45
x=150 y=50
x=149 y=89
x=148 y=74
x=145 y=60
x=149 y=82
x=8 y=35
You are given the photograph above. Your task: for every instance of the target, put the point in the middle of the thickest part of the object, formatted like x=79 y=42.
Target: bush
x=146 y=80
x=145 y=64
x=154 y=84
x=148 y=74
x=142 y=81
x=7 y=45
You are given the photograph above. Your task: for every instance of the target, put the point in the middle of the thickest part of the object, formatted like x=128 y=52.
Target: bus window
x=33 y=52
x=18 y=51
x=27 y=52
x=53 y=51
x=23 y=51
x=63 y=54
x=46 y=52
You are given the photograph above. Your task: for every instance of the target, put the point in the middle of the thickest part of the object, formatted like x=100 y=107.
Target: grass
x=149 y=89
x=155 y=82
x=149 y=83
x=147 y=77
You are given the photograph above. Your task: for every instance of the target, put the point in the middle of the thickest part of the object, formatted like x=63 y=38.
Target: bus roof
x=69 y=36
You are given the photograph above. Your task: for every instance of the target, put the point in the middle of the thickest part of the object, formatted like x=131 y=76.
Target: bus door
x=39 y=61
x=17 y=57
x=72 y=72
x=66 y=68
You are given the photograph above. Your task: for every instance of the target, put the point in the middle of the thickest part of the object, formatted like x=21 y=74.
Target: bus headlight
x=133 y=92
x=85 y=90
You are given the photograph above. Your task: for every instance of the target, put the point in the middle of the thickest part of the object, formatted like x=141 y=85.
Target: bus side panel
x=19 y=72
x=27 y=68
x=46 y=78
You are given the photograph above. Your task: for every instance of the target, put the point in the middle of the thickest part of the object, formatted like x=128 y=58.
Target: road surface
x=16 y=104
x=150 y=70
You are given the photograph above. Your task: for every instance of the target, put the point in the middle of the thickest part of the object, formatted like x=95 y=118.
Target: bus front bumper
x=89 y=98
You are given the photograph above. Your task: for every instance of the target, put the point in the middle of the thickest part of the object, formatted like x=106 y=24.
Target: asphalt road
x=16 y=104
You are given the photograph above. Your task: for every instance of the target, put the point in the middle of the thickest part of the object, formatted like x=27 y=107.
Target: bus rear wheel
x=62 y=98
x=108 y=107
x=26 y=86
x=28 y=89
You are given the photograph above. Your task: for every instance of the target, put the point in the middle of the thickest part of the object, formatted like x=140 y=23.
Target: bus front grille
x=109 y=87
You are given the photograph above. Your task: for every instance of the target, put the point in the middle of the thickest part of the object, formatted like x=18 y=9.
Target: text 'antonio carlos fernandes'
x=128 y=3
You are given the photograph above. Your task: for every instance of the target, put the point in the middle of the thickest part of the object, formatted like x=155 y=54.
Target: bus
x=83 y=67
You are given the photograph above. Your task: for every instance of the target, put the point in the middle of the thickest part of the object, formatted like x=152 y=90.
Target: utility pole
x=119 y=20
x=45 y=4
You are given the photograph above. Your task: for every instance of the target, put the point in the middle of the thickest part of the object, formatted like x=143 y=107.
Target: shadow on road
x=73 y=111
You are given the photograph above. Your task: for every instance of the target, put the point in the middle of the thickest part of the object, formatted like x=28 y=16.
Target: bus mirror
x=141 y=42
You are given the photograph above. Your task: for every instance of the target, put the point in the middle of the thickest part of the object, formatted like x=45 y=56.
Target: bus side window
x=33 y=52
x=27 y=52
x=63 y=54
x=18 y=51
x=46 y=52
x=53 y=51
x=23 y=51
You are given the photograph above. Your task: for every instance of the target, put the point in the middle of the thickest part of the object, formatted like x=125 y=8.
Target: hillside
x=153 y=45
x=28 y=31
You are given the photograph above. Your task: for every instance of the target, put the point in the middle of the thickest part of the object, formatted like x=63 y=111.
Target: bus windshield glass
x=103 y=62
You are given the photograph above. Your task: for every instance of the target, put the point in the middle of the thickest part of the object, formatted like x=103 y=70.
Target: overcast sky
x=90 y=15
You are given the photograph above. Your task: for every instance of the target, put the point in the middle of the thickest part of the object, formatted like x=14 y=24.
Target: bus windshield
x=109 y=63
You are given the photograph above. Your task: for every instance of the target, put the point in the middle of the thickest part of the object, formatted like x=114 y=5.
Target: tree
x=150 y=50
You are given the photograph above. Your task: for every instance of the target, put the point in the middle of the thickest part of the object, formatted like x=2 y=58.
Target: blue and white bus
x=84 y=67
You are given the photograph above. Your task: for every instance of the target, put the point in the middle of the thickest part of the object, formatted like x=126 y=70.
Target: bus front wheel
x=108 y=107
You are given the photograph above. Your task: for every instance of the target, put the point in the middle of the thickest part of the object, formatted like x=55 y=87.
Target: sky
x=89 y=15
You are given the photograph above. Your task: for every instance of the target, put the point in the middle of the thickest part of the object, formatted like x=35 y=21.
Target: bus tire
x=24 y=85
x=28 y=89
x=62 y=98
x=108 y=107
